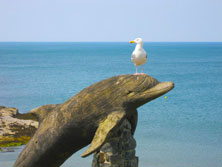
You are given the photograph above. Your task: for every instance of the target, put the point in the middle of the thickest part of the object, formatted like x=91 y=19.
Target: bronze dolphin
x=88 y=117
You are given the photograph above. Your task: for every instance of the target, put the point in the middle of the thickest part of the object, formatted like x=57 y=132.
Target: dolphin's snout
x=164 y=86
x=160 y=89
x=151 y=93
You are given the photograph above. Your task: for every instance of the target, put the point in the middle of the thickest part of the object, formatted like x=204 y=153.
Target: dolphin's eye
x=129 y=91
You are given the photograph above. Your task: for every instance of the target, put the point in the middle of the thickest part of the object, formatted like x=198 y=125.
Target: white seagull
x=139 y=56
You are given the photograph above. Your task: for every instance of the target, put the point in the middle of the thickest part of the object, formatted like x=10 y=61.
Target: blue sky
x=105 y=20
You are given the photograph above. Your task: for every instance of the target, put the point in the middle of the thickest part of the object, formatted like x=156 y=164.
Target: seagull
x=139 y=56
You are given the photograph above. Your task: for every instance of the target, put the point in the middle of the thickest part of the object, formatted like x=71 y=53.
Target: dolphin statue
x=88 y=117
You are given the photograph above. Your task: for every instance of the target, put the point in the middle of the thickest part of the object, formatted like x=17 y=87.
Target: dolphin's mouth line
x=130 y=91
x=155 y=91
x=159 y=89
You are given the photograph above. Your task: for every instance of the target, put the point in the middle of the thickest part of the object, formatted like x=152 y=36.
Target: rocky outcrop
x=119 y=150
x=15 y=128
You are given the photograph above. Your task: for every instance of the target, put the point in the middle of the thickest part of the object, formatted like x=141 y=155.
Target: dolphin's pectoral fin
x=103 y=131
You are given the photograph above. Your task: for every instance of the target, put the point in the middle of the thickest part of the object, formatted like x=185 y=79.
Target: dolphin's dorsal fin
x=42 y=111
x=103 y=131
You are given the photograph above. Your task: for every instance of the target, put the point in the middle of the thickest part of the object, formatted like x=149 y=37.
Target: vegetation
x=13 y=141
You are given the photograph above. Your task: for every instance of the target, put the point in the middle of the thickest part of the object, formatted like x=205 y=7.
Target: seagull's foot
x=136 y=73
x=142 y=73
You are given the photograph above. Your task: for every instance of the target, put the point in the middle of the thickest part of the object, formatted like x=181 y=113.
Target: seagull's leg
x=136 y=71
x=141 y=70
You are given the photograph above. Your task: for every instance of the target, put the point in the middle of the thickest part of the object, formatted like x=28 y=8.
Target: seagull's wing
x=133 y=57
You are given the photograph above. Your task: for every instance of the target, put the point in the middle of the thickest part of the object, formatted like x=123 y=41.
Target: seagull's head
x=137 y=41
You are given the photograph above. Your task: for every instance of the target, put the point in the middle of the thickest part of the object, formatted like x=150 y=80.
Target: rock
x=15 y=128
x=119 y=150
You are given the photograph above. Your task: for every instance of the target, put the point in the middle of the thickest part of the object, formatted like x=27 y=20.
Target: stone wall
x=118 y=150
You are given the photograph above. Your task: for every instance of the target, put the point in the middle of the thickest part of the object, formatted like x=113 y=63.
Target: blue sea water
x=182 y=130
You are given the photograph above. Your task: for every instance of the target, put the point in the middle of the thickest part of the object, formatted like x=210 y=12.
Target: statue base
x=118 y=150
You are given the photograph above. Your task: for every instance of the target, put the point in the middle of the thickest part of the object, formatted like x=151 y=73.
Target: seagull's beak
x=132 y=41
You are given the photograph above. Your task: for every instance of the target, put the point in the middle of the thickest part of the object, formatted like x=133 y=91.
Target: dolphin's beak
x=132 y=41
x=158 y=90
x=152 y=93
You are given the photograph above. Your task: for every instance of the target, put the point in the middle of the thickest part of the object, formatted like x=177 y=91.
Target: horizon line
x=109 y=41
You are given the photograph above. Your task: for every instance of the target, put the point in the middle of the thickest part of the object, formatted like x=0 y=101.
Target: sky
x=111 y=20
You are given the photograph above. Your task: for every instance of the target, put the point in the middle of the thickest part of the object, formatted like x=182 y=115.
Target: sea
x=182 y=128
